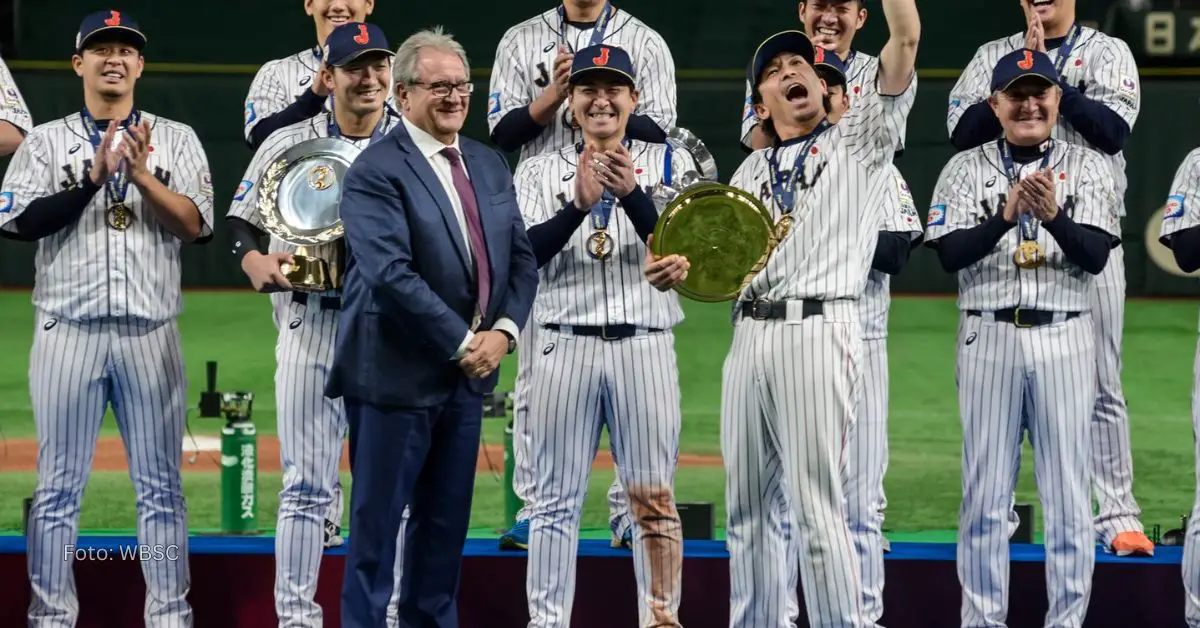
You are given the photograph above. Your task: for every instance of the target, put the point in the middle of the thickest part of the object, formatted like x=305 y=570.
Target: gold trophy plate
x=725 y=233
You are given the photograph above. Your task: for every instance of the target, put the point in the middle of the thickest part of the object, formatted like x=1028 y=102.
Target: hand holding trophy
x=711 y=238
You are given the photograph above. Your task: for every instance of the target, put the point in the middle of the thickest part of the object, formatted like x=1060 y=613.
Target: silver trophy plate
x=681 y=139
x=301 y=191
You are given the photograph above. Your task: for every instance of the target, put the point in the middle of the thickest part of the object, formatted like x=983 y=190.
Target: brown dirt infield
x=110 y=456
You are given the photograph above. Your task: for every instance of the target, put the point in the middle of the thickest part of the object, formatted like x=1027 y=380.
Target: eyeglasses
x=442 y=89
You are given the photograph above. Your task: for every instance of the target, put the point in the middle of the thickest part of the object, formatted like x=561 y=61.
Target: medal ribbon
x=785 y=194
x=118 y=183
x=1064 y=51
x=597 y=34
x=376 y=135
x=1029 y=230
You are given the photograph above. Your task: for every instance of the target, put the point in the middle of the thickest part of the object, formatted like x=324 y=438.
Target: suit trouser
x=401 y=456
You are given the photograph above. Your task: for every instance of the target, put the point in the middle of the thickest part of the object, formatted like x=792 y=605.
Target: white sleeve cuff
x=509 y=327
x=462 y=348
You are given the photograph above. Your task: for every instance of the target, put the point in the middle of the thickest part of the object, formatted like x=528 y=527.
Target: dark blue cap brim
x=579 y=75
x=830 y=74
x=114 y=33
x=348 y=59
x=787 y=41
x=1018 y=77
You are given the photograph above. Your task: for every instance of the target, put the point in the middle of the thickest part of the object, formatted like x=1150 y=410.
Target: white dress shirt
x=432 y=149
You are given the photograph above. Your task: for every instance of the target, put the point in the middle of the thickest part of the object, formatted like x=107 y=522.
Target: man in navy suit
x=440 y=278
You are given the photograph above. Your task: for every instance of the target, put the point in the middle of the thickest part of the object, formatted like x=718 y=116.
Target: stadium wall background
x=200 y=66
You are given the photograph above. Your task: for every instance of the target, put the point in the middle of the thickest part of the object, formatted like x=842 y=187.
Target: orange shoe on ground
x=1132 y=544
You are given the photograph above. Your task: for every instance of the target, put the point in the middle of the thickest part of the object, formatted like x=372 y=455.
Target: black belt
x=605 y=332
x=327 y=303
x=763 y=310
x=1026 y=318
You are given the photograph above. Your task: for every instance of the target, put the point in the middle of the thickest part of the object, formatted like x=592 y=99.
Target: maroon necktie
x=466 y=194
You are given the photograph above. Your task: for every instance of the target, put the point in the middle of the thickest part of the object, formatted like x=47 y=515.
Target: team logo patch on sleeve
x=6 y=202
x=250 y=115
x=206 y=186
x=1174 y=208
x=1127 y=88
x=954 y=105
x=937 y=216
x=494 y=103
x=242 y=190
x=10 y=97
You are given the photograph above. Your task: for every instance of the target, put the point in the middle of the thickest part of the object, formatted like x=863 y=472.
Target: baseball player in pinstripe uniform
x=1027 y=223
x=528 y=112
x=289 y=90
x=109 y=194
x=357 y=73
x=15 y=121
x=832 y=25
x=797 y=331
x=607 y=355
x=1100 y=103
x=1181 y=232
x=866 y=460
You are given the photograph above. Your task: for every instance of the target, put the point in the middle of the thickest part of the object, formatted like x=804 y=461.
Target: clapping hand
x=614 y=169
x=1039 y=190
x=588 y=188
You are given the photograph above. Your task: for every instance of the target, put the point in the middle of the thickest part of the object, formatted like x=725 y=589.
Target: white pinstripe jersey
x=863 y=69
x=837 y=209
x=1100 y=65
x=524 y=67
x=899 y=216
x=1181 y=211
x=88 y=270
x=973 y=187
x=280 y=82
x=574 y=288
x=12 y=105
x=245 y=199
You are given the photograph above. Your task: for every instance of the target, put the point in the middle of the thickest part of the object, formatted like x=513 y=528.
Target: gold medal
x=783 y=228
x=599 y=245
x=1029 y=255
x=118 y=216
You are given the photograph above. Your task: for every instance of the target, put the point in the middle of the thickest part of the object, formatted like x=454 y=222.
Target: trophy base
x=309 y=274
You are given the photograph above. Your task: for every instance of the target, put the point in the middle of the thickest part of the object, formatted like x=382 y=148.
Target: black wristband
x=243 y=237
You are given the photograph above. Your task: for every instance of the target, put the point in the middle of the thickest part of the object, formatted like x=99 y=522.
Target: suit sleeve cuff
x=462 y=348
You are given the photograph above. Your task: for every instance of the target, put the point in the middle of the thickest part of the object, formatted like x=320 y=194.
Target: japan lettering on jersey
x=837 y=209
x=974 y=187
x=863 y=69
x=524 y=68
x=245 y=199
x=575 y=288
x=90 y=270
x=1181 y=211
x=1100 y=66
x=899 y=216
x=12 y=105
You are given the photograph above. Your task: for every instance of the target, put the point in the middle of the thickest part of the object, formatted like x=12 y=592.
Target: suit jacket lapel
x=494 y=228
x=420 y=167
